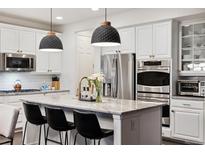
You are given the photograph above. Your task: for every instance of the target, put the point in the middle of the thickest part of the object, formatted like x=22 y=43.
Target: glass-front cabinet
x=192 y=48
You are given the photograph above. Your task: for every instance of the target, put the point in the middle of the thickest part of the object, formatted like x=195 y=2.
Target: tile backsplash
x=28 y=80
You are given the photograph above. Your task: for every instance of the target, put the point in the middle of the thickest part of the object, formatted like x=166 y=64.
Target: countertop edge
x=34 y=93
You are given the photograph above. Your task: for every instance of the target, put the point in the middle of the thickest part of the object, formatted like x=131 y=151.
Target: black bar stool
x=88 y=126
x=57 y=121
x=34 y=116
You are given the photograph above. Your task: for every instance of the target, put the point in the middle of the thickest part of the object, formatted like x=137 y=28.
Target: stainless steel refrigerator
x=119 y=70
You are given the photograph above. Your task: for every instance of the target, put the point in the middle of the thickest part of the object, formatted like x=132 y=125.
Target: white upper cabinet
x=127 y=36
x=55 y=62
x=9 y=40
x=14 y=40
x=47 y=62
x=162 y=39
x=154 y=40
x=41 y=57
x=144 y=41
x=27 y=41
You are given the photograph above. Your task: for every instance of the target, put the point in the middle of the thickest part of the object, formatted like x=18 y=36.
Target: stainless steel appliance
x=153 y=83
x=191 y=87
x=17 y=62
x=119 y=70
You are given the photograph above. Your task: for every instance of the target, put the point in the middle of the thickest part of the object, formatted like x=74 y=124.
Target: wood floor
x=18 y=136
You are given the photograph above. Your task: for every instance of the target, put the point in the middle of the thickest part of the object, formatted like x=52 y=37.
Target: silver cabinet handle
x=186 y=104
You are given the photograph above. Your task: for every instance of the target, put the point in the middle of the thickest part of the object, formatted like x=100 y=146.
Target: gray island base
x=133 y=122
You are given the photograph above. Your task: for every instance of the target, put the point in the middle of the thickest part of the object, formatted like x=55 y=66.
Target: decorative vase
x=98 y=97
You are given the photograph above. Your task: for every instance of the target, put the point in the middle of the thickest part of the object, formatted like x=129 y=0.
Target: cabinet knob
x=172 y=111
x=151 y=56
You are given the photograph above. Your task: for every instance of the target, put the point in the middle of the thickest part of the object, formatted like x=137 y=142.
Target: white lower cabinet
x=187 y=123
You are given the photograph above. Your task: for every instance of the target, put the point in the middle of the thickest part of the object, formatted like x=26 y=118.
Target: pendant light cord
x=51 y=28
x=105 y=14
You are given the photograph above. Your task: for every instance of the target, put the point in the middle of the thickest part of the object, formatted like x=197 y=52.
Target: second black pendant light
x=51 y=42
x=105 y=35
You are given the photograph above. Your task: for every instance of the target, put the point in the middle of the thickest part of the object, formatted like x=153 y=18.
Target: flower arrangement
x=97 y=80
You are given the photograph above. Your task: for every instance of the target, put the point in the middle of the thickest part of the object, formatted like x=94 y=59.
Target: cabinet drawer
x=187 y=103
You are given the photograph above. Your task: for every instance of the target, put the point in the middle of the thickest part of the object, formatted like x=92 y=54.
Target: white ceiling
x=70 y=15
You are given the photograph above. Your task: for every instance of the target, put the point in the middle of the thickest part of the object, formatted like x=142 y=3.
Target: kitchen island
x=133 y=122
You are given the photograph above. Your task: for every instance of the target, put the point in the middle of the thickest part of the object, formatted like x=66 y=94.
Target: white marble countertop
x=109 y=105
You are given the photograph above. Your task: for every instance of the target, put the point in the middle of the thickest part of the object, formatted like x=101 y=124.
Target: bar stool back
x=88 y=126
x=34 y=116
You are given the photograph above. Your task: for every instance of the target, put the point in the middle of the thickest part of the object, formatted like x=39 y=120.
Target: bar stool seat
x=69 y=126
x=106 y=133
x=88 y=126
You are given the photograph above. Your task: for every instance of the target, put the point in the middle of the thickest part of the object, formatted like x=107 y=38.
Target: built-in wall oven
x=17 y=62
x=153 y=83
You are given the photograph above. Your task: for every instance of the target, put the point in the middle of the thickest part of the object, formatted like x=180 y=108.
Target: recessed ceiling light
x=59 y=18
x=94 y=9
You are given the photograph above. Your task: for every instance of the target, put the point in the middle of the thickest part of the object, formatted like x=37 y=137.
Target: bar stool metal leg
x=86 y=141
x=47 y=135
x=39 y=138
x=60 y=137
x=44 y=127
x=75 y=138
x=12 y=141
x=94 y=141
x=66 y=138
x=99 y=142
x=24 y=134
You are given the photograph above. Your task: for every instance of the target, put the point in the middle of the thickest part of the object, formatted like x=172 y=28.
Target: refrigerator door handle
x=130 y=74
x=114 y=80
x=121 y=89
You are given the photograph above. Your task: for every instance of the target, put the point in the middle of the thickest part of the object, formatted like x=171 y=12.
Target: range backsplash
x=28 y=80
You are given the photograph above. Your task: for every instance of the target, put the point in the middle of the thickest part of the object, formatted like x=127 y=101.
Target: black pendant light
x=51 y=42
x=105 y=35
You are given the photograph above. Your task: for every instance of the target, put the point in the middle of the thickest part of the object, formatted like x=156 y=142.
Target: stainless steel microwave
x=17 y=62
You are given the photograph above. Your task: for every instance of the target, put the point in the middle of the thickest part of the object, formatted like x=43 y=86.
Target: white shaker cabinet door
x=27 y=42
x=127 y=36
x=9 y=40
x=41 y=57
x=187 y=124
x=162 y=39
x=55 y=62
x=144 y=41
